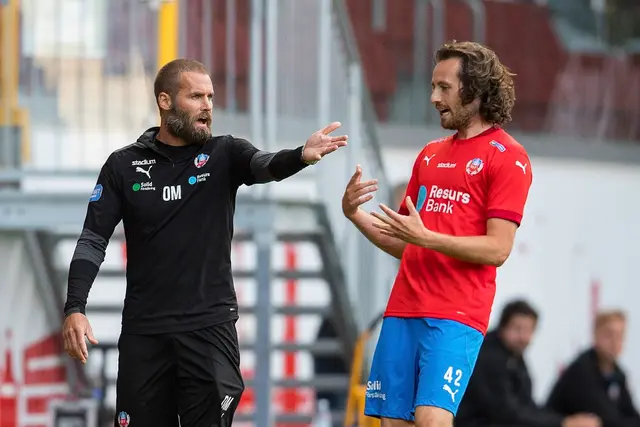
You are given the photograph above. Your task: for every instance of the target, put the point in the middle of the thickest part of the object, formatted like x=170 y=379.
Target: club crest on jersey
x=201 y=160
x=474 y=166
x=123 y=419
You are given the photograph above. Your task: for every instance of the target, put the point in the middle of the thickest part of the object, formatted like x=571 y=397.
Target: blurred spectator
x=594 y=382
x=500 y=389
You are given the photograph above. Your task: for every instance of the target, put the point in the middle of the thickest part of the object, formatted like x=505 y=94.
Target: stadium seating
x=553 y=84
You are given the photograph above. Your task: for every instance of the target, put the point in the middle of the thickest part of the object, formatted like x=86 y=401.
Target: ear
x=164 y=101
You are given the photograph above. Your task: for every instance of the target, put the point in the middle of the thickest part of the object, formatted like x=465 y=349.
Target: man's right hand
x=357 y=193
x=76 y=327
x=581 y=420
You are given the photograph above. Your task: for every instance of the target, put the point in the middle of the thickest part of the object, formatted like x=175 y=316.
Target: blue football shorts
x=420 y=362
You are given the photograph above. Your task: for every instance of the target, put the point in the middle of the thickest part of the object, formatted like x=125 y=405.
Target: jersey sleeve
x=509 y=183
x=104 y=212
x=241 y=152
x=249 y=165
x=413 y=186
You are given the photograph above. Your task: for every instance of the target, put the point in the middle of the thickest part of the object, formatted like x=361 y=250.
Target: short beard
x=461 y=119
x=181 y=125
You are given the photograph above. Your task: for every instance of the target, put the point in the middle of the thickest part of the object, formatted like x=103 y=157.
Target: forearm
x=85 y=263
x=82 y=274
x=486 y=250
x=267 y=167
x=364 y=222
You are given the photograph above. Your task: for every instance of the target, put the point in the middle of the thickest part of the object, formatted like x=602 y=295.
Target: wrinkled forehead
x=192 y=82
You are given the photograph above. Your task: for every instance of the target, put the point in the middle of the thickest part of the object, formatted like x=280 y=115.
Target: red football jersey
x=457 y=185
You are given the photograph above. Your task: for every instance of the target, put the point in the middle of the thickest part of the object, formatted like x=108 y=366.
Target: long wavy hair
x=483 y=77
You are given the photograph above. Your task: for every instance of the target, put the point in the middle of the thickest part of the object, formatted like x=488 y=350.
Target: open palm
x=320 y=143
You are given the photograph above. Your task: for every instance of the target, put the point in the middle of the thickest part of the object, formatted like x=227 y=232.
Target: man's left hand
x=408 y=228
x=320 y=143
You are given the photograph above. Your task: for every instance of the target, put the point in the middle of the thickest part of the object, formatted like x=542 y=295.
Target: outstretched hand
x=408 y=228
x=357 y=193
x=320 y=143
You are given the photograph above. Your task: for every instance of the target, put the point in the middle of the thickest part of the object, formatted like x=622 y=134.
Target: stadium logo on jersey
x=474 y=166
x=446 y=165
x=123 y=419
x=145 y=162
x=96 y=194
x=441 y=200
x=201 y=160
x=499 y=146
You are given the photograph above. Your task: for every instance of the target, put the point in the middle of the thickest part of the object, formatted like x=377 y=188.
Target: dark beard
x=461 y=118
x=181 y=125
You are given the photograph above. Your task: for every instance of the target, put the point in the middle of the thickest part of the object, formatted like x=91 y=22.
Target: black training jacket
x=176 y=205
x=499 y=393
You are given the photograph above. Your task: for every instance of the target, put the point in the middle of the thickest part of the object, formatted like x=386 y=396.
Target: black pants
x=191 y=375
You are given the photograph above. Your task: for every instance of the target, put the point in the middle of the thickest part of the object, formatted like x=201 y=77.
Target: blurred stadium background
x=76 y=83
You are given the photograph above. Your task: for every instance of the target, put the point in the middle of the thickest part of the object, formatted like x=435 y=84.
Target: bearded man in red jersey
x=464 y=202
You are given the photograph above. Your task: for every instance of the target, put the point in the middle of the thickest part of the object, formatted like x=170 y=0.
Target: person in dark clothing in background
x=594 y=382
x=500 y=388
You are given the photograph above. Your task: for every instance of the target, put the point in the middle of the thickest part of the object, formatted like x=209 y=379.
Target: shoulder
x=127 y=156
x=503 y=142
x=433 y=146
x=583 y=364
x=492 y=349
x=228 y=142
x=437 y=144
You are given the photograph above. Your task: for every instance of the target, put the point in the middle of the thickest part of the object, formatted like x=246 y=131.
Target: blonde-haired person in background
x=595 y=382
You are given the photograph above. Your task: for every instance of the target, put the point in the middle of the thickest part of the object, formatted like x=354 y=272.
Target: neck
x=167 y=138
x=475 y=128
x=606 y=366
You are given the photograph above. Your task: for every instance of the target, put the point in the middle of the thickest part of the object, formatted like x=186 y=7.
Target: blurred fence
x=86 y=73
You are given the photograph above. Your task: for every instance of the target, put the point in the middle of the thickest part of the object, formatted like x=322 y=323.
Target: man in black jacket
x=175 y=190
x=594 y=382
x=500 y=389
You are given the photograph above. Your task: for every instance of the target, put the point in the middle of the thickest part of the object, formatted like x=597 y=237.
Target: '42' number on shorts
x=449 y=376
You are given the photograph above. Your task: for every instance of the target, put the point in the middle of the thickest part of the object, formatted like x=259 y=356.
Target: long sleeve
x=250 y=165
x=104 y=212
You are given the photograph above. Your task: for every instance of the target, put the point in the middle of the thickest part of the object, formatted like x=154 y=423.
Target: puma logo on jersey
x=428 y=159
x=146 y=172
x=522 y=166
x=451 y=392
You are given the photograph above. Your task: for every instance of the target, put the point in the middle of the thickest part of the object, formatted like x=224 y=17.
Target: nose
x=207 y=104
x=435 y=96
